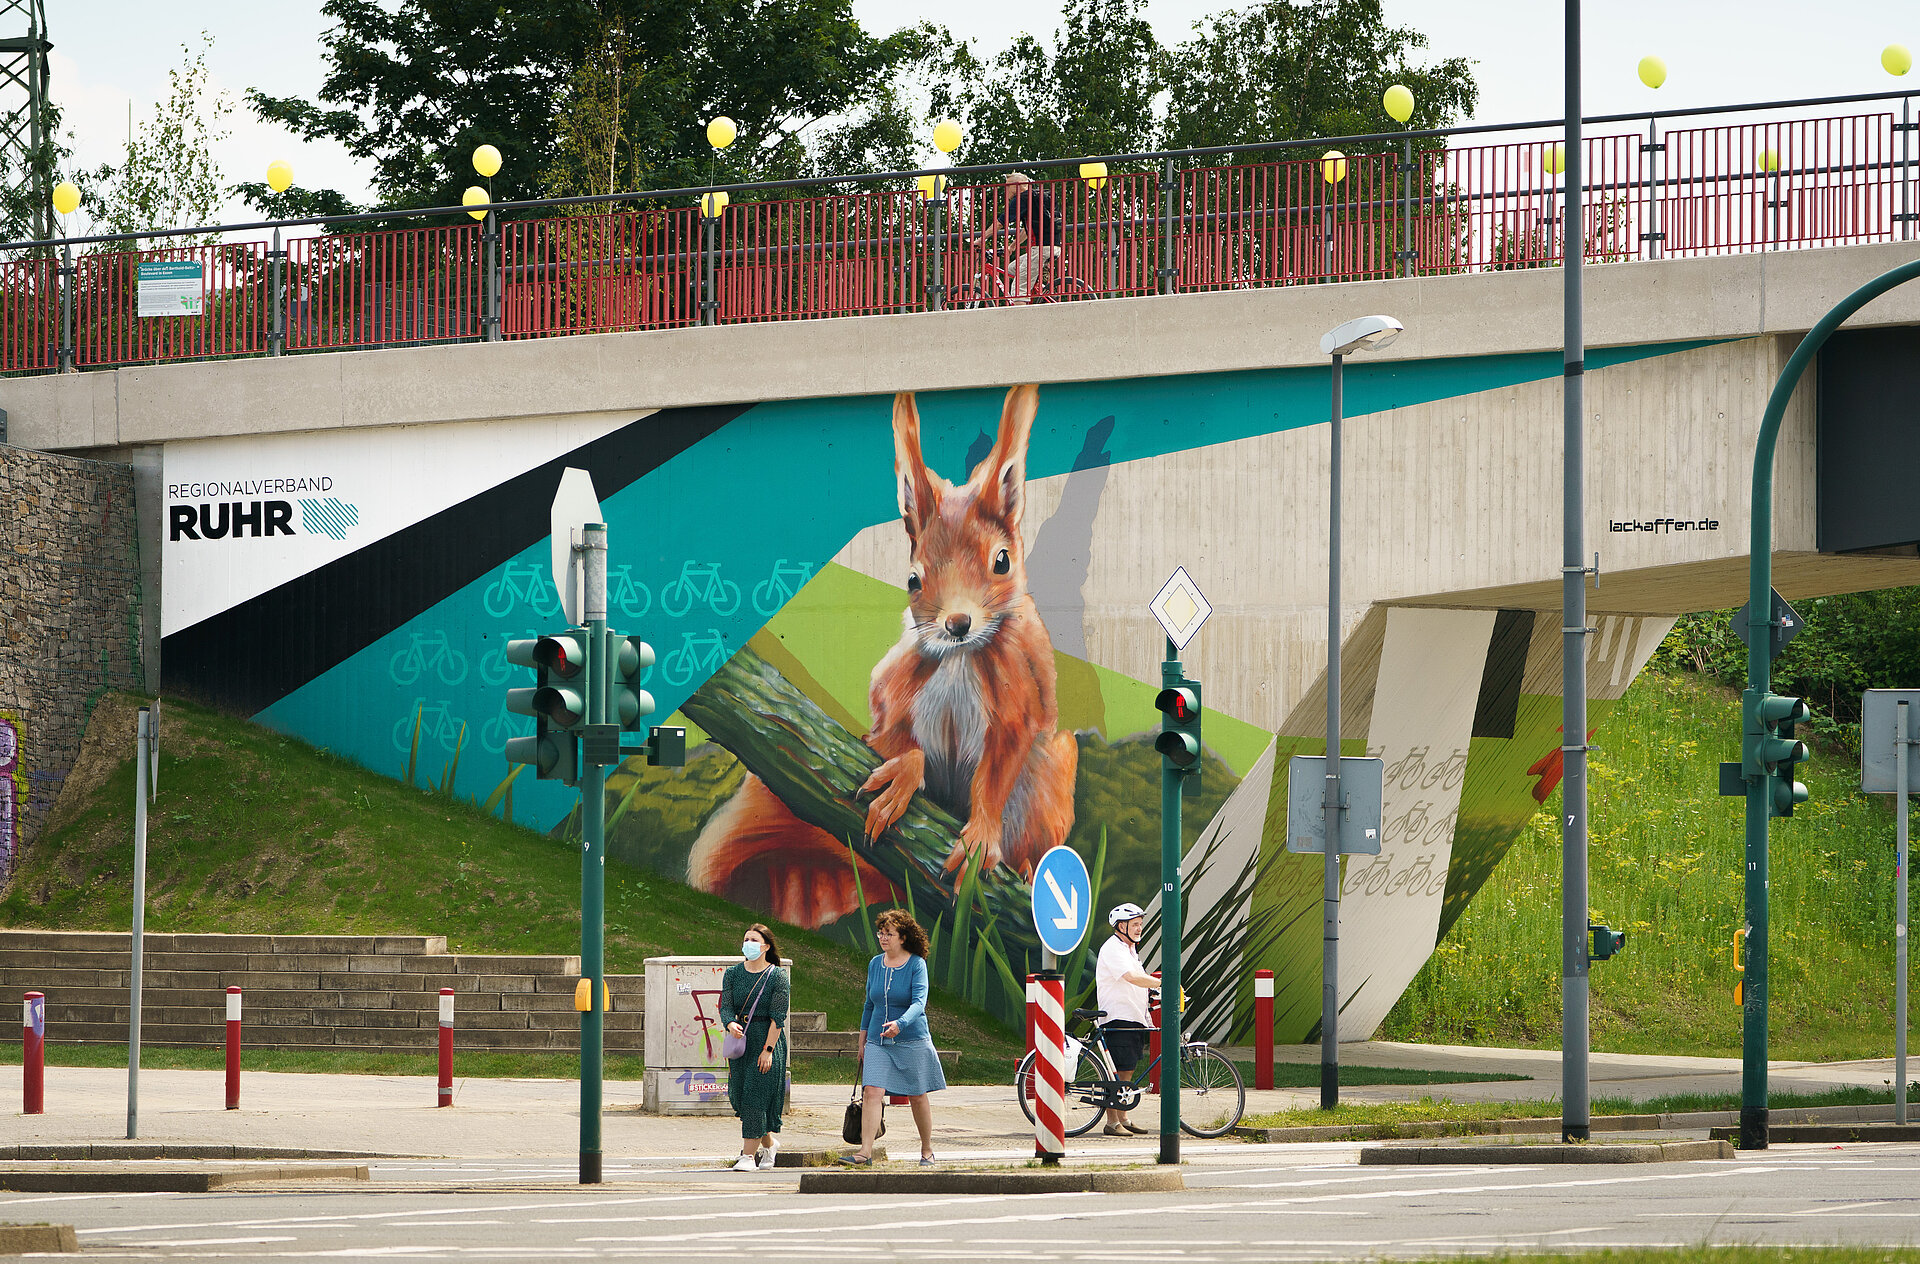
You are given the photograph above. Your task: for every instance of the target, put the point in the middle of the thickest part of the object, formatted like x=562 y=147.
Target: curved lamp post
x=1367 y=333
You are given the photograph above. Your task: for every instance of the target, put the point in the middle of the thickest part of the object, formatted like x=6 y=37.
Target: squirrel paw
x=976 y=835
x=897 y=780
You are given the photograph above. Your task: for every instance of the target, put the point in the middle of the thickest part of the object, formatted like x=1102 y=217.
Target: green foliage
x=568 y=89
x=168 y=176
x=1666 y=859
x=1849 y=643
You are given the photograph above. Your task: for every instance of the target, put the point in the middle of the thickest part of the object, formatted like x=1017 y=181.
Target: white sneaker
x=743 y=1164
x=764 y=1160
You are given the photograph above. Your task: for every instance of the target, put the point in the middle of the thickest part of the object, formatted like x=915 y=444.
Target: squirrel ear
x=914 y=483
x=1006 y=465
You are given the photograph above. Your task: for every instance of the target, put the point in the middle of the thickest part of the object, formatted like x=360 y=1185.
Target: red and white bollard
x=233 y=1048
x=1263 y=1029
x=446 y=1047
x=33 y=1054
x=1033 y=1007
x=1050 y=1067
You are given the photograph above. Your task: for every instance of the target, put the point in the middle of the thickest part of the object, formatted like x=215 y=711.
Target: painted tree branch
x=816 y=767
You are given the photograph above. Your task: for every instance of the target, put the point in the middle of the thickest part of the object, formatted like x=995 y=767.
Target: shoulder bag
x=732 y=1046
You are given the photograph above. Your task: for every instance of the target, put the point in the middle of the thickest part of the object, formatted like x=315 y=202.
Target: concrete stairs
x=372 y=993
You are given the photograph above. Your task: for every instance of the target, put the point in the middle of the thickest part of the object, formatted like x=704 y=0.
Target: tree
x=1283 y=70
x=417 y=85
x=168 y=177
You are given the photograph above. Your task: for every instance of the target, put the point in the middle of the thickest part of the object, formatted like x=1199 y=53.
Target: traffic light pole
x=593 y=857
x=1171 y=920
x=1753 y=1043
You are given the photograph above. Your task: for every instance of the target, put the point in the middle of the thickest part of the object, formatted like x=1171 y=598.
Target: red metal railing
x=1423 y=210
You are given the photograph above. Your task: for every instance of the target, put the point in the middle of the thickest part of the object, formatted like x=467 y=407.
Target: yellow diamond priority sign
x=1181 y=608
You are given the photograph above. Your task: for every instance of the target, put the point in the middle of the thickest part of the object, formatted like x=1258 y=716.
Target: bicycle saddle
x=1090 y=1013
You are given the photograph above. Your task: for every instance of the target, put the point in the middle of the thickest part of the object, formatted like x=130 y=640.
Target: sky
x=109 y=53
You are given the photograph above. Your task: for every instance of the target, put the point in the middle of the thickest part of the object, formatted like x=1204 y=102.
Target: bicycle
x=774 y=591
x=629 y=594
x=700 y=581
x=436 y=723
x=992 y=286
x=706 y=653
x=1212 y=1097
x=517 y=584
x=424 y=650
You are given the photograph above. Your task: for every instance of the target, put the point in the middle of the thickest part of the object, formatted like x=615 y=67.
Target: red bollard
x=1153 y=1042
x=1263 y=1029
x=33 y=1054
x=233 y=1048
x=1050 y=1069
x=446 y=1047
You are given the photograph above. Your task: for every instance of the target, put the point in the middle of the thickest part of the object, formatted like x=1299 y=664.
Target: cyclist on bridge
x=1123 y=985
x=1032 y=232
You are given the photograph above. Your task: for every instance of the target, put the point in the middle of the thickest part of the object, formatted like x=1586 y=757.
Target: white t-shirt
x=1118 y=997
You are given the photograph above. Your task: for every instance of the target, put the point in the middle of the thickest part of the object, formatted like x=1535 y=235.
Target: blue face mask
x=750 y=950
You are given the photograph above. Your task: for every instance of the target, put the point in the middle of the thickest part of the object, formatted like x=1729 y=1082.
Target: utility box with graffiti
x=685 y=1073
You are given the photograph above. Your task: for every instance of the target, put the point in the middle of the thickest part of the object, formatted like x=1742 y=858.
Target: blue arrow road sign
x=1062 y=900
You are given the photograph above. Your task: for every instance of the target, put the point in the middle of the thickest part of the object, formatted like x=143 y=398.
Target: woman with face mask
x=753 y=1006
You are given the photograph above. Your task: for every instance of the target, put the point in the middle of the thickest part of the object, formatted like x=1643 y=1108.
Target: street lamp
x=1368 y=333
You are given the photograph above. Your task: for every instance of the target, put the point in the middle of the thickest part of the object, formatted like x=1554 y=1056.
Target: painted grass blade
x=503 y=791
x=413 y=753
x=866 y=918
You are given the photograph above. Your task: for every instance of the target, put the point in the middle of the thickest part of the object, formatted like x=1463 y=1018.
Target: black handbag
x=850 y=1126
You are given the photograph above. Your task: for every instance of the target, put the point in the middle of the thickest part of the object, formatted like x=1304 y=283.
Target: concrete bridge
x=378 y=523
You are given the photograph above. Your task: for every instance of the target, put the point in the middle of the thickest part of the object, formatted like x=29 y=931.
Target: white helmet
x=1124 y=913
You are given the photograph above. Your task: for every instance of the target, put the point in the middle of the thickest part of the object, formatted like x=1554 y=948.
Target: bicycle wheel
x=676 y=599
x=724 y=597
x=498 y=599
x=1212 y=1097
x=1066 y=289
x=768 y=596
x=1086 y=1093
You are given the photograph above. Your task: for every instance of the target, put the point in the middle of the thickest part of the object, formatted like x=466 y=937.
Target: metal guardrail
x=1255 y=215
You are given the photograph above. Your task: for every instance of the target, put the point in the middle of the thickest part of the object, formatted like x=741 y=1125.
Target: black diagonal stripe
x=1498 y=709
x=250 y=656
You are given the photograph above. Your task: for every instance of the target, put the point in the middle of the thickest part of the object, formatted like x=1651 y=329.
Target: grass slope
x=1666 y=855
x=254 y=832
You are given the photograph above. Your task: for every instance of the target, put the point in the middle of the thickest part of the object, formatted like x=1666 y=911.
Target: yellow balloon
x=1333 y=166
x=1897 y=58
x=1653 y=71
x=1554 y=158
x=932 y=186
x=66 y=198
x=1095 y=174
x=1769 y=160
x=721 y=131
x=476 y=196
x=1398 y=101
x=946 y=136
x=711 y=204
x=486 y=160
x=279 y=176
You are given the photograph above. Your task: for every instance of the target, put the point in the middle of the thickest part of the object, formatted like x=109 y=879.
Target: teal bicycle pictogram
x=427 y=650
x=700 y=581
x=494 y=667
x=777 y=589
x=627 y=594
x=699 y=652
x=518 y=583
x=495 y=732
x=437 y=722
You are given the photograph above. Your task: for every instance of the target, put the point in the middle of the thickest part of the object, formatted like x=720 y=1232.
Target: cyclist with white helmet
x=1123 y=984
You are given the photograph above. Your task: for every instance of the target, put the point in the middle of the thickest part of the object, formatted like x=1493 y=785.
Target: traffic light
x=553 y=752
x=564 y=680
x=1179 y=739
x=1780 y=751
x=627 y=703
x=1606 y=942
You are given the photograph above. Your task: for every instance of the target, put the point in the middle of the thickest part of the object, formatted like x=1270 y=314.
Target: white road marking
x=822 y=1209
x=275 y=1222
x=1847 y=1208
x=73 y=1198
x=211 y=1241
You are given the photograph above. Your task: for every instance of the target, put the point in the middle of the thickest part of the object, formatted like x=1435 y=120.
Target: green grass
x=1446 y=1110
x=254 y=832
x=1667 y=865
x=1307 y=1075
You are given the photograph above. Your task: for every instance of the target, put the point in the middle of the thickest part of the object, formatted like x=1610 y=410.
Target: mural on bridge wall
x=357 y=590
x=13 y=788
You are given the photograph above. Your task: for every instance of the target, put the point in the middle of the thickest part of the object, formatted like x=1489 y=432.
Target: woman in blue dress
x=896 y=1052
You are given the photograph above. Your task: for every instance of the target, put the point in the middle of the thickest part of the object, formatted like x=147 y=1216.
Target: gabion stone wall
x=69 y=622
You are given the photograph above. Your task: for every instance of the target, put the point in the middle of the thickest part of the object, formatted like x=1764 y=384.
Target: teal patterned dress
x=755 y=1095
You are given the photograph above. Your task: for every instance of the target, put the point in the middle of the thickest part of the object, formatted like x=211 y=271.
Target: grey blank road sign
x=1361 y=779
x=1877 y=710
